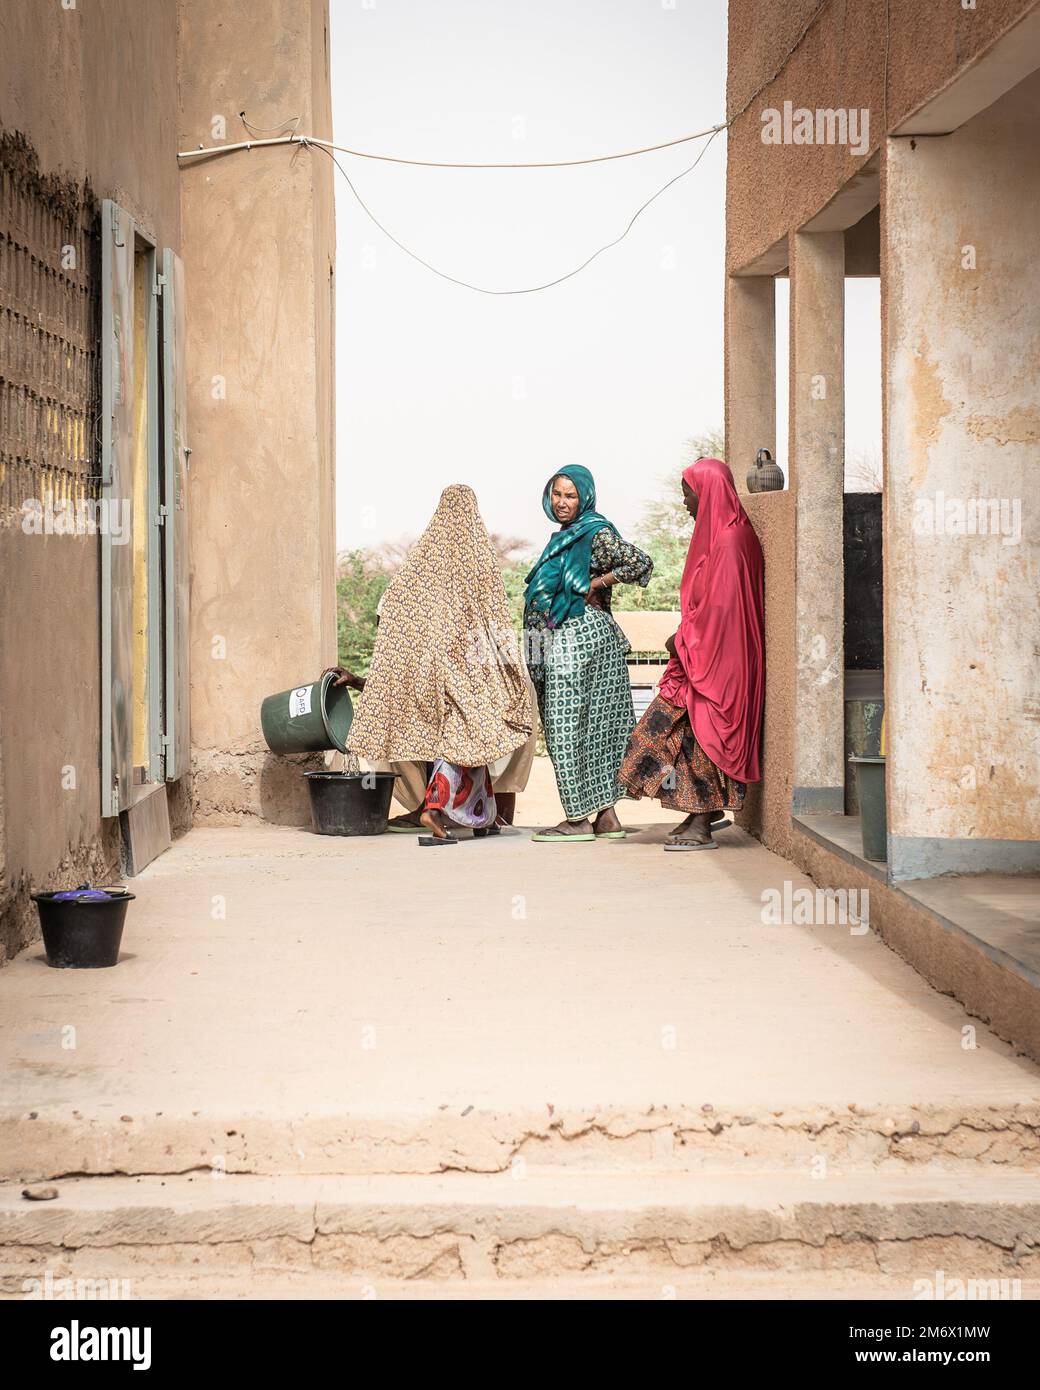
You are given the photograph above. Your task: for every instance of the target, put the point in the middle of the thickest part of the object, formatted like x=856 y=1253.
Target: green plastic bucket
x=870 y=784
x=309 y=718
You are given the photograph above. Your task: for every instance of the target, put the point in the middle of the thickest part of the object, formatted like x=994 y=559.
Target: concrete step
x=59 y=1140
x=158 y=1282
x=667 y=1232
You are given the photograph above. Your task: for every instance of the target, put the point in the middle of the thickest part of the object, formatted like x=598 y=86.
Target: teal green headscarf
x=560 y=580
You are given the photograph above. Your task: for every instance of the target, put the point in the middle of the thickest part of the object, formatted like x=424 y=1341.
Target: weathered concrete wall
x=963 y=423
x=767 y=809
x=751 y=425
x=258 y=239
x=962 y=419
x=772 y=189
x=817 y=448
x=93 y=90
x=49 y=749
x=772 y=192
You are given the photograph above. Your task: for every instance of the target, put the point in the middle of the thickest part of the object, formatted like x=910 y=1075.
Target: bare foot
x=434 y=823
x=694 y=830
x=607 y=822
x=684 y=826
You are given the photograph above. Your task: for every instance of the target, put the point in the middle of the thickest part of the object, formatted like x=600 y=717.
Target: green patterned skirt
x=585 y=701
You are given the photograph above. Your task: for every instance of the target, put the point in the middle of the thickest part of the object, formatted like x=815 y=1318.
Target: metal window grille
x=50 y=316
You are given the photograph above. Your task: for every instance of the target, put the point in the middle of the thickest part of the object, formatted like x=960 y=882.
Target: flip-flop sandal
x=611 y=834
x=723 y=824
x=544 y=838
x=479 y=833
x=434 y=841
x=684 y=846
x=405 y=829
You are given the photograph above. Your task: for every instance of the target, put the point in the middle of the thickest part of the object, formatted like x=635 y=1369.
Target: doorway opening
x=863 y=625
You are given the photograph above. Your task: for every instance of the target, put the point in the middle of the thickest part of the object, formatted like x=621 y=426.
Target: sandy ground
x=273 y=970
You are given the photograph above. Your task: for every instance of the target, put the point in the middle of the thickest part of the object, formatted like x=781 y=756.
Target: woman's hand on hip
x=597 y=589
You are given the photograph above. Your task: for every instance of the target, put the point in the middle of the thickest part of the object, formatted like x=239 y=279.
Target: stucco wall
x=258 y=244
x=817 y=452
x=984 y=425
x=963 y=610
x=767 y=809
x=93 y=90
x=841 y=62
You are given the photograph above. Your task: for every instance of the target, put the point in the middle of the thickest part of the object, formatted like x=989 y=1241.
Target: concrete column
x=750 y=371
x=258 y=245
x=962 y=545
x=751 y=425
x=817 y=449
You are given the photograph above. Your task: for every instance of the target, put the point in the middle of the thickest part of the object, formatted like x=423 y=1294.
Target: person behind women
x=576 y=655
x=446 y=685
x=698 y=744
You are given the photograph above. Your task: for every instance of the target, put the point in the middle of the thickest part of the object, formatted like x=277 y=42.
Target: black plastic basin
x=350 y=803
x=83 y=935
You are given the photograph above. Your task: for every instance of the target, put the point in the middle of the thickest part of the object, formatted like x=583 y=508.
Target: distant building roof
x=647 y=631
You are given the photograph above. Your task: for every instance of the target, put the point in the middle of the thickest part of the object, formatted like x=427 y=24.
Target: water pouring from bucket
x=316 y=718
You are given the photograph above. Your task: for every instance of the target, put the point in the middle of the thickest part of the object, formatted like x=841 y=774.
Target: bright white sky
x=615 y=368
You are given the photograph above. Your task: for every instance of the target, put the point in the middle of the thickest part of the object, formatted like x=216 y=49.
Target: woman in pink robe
x=698 y=745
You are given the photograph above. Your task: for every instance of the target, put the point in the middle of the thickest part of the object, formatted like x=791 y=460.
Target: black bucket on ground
x=83 y=935
x=350 y=803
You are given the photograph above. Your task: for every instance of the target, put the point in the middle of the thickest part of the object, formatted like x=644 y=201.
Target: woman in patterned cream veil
x=447 y=683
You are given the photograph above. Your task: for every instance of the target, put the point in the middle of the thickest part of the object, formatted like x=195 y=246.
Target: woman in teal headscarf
x=576 y=655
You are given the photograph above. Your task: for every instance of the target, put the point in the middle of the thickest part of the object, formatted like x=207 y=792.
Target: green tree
x=362 y=578
x=360 y=584
x=514 y=574
x=711 y=444
x=664 y=532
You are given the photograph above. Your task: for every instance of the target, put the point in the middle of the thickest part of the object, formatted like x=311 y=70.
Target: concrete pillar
x=750 y=371
x=817 y=449
x=258 y=245
x=751 y=425
x=962 y=545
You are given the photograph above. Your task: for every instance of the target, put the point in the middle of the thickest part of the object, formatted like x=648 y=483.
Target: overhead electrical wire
x=527 y=289
x=294 y=139
x=294 y=121
x=329 y=148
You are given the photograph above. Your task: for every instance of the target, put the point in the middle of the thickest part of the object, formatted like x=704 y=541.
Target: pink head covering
x=718 y=671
